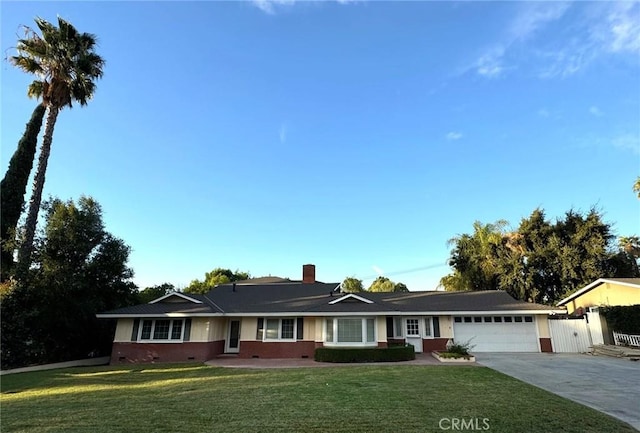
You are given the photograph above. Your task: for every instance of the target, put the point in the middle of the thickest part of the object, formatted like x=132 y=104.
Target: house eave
x=337 y=314
x=592 y=286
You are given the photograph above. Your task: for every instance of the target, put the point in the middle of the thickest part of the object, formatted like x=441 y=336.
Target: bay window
x=350 y=331
x=160 y=330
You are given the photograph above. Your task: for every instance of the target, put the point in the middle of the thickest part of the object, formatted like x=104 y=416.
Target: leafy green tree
x=352 y=285
x=400 y=287
x=14 y=186
x=541 y=261
x=215 y=277
x=474 y=258
x=382 y=284
x=65 y=65
x=79 y=269
x=154 y=292
x=636 y=186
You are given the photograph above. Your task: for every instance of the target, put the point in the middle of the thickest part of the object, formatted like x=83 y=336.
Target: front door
x=233 y=340
x=412 y=331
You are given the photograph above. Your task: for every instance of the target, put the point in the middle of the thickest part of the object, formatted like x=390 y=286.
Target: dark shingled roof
x=297 y=297
x=485 y=300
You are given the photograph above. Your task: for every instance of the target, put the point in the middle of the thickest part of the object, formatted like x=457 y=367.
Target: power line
x=406 y=271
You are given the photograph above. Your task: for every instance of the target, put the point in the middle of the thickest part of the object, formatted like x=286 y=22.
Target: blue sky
x=358 y=136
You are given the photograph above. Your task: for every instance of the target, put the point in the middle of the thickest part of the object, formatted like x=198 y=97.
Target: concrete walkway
x=79 y=363
x=610 y=385
x=421 y=359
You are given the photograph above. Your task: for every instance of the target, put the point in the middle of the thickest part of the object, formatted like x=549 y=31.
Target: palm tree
x=66 y=66
x=636 y=186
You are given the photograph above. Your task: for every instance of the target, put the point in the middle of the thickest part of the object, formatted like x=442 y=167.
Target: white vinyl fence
x=626 y=339
x=570 y=335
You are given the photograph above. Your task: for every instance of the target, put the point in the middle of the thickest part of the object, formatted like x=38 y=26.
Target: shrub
x=460 y=349
x=373 y=354
x=453 y=355
x=623 y=319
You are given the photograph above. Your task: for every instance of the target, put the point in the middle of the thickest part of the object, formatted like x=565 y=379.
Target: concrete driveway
x=610 y=385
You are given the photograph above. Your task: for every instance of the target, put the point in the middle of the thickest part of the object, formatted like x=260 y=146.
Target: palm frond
x=27 y=64
x=36 y=89
x=64 y=60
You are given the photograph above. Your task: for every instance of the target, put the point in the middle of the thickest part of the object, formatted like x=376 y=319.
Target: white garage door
x=497 y=333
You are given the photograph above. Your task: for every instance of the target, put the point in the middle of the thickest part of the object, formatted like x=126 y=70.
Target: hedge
x=365 y=354
x=625 y=320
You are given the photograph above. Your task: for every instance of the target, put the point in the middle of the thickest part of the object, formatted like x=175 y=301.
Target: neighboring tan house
x=280 y=318
x=604 y=292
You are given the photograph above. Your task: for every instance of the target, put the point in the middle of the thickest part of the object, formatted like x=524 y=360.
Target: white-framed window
x=413 y=328
x=397 y=327
x=285 y=328
x=428 y=327
x=161 y=330
x=350 y=331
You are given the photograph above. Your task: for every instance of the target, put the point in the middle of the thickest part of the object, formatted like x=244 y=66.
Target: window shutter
x=134 y=332
x=260 y=330
x=436 y=327
x=187 y=330
x=389 y=327
x=300 y=330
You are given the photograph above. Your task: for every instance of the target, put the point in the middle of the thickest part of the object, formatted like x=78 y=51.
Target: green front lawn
x=196 y=398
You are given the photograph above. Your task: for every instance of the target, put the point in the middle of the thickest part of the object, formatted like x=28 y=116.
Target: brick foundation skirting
x=431 y=344
x=259 y=349
x=123 y=352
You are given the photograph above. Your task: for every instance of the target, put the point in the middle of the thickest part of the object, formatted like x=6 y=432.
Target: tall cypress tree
x=14 y=186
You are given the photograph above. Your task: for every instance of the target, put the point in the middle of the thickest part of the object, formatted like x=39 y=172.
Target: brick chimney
x=308 y=274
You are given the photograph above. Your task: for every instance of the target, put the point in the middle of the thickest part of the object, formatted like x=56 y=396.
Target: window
x=260 y=331
x=508 y=319
x=146 y=329
x=497 y=319
x=287 y=328
x=457 y=319
x=528 y=319
x=467 y=320
x=487 y=319
x=371 y=330
x=176 y=331
x=518 y=319
x=427 y=327
x=397 y=327
x=277 y=329
x=272 y=329
x=413 y=328
x=329 y=333
x=350 y=331
x=161 y=330
x=477 y=319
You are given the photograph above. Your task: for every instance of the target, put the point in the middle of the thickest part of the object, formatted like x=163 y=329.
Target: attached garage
x=497 y=333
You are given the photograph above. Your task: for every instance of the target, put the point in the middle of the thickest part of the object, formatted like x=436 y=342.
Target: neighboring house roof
x=629 y=282
x=265 y=280
x=323 y=299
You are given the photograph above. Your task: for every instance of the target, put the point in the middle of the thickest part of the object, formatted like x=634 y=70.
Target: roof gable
x=181 y=297
x=351 y=296
x=629 y=282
